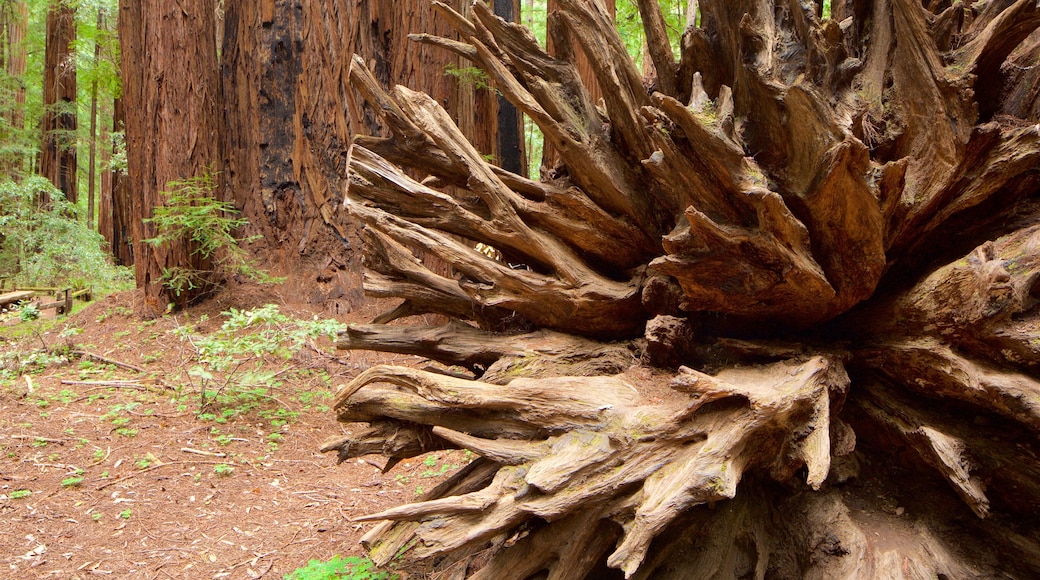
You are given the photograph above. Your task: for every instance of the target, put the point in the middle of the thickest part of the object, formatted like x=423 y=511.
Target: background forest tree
x=49 y=243
x=292 y=156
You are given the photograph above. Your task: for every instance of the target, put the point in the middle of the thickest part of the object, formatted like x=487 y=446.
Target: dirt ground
x=106 y=470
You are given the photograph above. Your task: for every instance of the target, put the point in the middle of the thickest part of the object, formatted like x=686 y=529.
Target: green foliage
x=22 y=96
x=20 y=494
x=192 y=214
x=470 y=76
x=72 y=482
x=28 y=312
x=223 y=469
x=229 y=370
x=351 y=568
x=48 y=246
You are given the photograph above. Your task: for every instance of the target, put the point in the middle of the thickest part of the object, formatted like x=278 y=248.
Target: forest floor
x=111 y=463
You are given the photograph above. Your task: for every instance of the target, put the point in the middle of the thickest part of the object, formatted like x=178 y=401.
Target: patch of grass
x=20 y=494
x=72 y=482
x=223 y=469
x=350 y=568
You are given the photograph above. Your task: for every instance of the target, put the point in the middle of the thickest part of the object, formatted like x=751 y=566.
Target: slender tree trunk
x=692 y=12
x=92 y=164
x=510 y=142
x=114 y=217
x=172 y=99
x=58 y=155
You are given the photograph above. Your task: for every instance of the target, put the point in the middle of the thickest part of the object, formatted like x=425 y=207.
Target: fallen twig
x=37 y=438
x=201 y=452
x=152 y=467
x=109 y=361
x=108 y=384
x=102 y=383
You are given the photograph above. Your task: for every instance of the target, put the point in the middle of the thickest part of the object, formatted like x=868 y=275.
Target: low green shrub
x=192 y=214
x=350 y=568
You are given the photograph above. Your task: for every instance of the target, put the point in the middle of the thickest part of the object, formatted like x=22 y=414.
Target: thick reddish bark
x=291 y=118
x=172 y=99
x=114 y=216
x=14 y=18
x=58 y=152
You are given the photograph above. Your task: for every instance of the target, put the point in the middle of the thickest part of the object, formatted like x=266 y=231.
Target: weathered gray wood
x=563 y=441
x=17 y=296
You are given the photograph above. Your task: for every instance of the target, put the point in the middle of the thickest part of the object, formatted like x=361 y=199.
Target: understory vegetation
x=192 y=213
x=254 y=364
x=44 y=243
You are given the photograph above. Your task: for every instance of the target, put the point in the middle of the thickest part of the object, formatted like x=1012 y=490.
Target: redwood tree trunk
x=114 y=218
x=172 y=99
x=92 y=162
x=58 y=153
x=15 y=16
x=290 y=120
x=824 y=233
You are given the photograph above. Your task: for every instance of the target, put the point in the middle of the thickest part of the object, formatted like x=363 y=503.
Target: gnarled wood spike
x=568 y=441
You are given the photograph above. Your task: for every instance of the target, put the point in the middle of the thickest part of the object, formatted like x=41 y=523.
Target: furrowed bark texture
x=825 y=232
x=292 y=116
x=114 y=216
x=14 y=17
x=171 y=95
x=58 y=151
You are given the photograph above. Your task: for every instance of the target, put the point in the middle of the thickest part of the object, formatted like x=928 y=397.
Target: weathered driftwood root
x=787 y=170
x=496 y=358
x=966 y=340
x=818 y=535
x=572 y=446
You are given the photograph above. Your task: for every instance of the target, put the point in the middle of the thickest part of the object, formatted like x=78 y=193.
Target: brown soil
x=163 y=493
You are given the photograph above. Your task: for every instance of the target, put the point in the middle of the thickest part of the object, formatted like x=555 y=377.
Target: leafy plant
x=230 y=370
x=71 y=482
x=350 y=568
x=470 y=75
x=28 y=312
x=192 y=214
x=20 y=494
x=223 y=469
x=125 y=514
